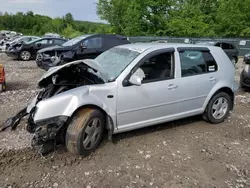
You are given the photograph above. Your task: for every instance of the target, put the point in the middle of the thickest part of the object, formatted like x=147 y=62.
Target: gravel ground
x=185 y=153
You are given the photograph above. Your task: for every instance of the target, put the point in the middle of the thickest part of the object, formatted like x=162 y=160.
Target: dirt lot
x=185 y=153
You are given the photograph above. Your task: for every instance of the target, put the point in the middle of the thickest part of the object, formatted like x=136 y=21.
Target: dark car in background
x=83 y=47
x=247 y=58
x=27 y=50
x=231 y=51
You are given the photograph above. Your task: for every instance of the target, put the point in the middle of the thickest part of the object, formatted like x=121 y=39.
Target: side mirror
x=135 y=80
x=39 y=44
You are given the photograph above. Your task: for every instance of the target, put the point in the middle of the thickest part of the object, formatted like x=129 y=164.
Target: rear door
x=89 y=48
x=198 y=77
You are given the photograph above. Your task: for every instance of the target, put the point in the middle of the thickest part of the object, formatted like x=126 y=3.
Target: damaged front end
x=50 y=131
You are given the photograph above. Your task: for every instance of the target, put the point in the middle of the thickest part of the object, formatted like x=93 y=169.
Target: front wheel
x=85 y=132
x=218 y=108
x=25 y=55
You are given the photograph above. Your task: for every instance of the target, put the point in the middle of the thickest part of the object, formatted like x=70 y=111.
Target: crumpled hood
x=94 y=65
x=56 y=48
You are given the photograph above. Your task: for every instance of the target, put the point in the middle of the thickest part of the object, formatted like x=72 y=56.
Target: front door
x=156 y=99
x=42 y=44
x=198 y=77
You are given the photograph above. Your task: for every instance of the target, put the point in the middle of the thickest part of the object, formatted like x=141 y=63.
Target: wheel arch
x=109 y=122
x=222 y=89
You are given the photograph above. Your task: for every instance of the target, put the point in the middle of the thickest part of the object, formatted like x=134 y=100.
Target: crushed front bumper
x=47 y=132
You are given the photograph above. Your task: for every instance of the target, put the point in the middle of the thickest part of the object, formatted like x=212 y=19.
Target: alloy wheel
x=92 y=133
x=219 y=108
x=25 y=55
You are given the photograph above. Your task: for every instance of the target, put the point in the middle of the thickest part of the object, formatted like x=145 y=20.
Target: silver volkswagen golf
x=125 y=88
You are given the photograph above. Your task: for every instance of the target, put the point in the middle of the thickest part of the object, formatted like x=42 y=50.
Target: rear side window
x=194 y=62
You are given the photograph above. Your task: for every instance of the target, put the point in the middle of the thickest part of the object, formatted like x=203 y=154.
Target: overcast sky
x=80 y=9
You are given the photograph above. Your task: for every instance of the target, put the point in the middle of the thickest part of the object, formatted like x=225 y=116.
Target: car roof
x=52 y=38
x=105 y=35
x=155 y=46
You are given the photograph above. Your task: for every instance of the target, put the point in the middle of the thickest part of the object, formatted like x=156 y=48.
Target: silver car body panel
x=134 y=107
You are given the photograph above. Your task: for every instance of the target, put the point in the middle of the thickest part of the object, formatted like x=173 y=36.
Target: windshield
x=74 y=40
x=115 y=60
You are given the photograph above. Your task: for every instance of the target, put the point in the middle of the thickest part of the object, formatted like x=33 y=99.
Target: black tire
x=25 y=55
x=77 y=134
x=234 y=60
x=208 y=114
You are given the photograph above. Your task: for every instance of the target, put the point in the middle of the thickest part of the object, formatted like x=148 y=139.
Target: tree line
x=33 y=24
x=189 y=18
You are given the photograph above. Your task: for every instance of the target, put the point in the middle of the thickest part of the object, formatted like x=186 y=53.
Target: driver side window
x=156 y=68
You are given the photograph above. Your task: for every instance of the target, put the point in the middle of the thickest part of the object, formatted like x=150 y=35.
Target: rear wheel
x=25 y=55
x=218 y=108
x=85 y=132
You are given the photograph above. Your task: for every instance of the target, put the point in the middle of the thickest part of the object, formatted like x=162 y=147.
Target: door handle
x=212 y=79
x=172 y=86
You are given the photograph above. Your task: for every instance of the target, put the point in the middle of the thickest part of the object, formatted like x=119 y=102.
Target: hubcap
x=25 y=55
x=219 y=108
x=92 y=133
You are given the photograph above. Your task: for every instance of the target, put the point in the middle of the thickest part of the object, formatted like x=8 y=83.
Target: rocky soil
x=185 y=153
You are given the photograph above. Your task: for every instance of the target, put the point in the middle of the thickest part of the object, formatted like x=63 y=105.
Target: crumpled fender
x=65 y=104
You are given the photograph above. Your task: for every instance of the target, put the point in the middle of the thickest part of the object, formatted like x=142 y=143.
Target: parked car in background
x=247 y=58
x=52 y=35
x=125 y=88
x=5 y=40
x=83 y=47
x=17 y=40
x=245 y=77
x=159 y=41
x=27 y=51
x=231 y=51
x=2 y=79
